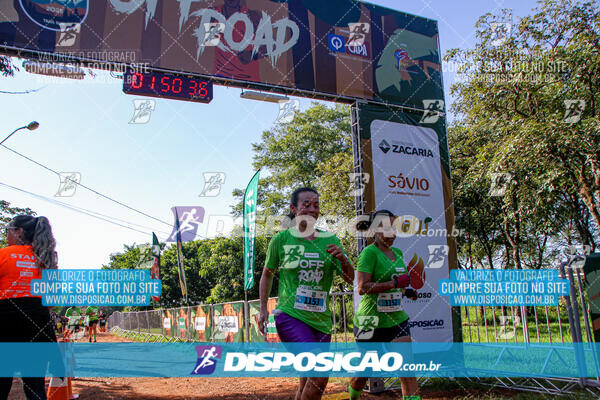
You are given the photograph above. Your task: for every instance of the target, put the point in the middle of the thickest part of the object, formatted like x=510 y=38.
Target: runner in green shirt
x=74 y=320
x=307 y=259
x=92 y=313
x=382 y=281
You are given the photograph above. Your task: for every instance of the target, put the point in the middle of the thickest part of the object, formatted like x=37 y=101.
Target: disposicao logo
x=207 y=359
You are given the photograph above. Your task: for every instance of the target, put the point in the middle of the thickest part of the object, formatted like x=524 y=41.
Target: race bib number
x=389 y=302
x=167 y=323
x=310 y=300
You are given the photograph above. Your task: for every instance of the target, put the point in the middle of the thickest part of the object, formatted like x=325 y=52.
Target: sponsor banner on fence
x=302 y=359
x=202 y=323
x=255 y=335
x=229 y=322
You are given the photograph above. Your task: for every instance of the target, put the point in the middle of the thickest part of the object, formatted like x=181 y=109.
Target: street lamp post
x=31 y=126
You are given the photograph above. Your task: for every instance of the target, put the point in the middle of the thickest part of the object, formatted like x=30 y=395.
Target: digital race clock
x=157 y=84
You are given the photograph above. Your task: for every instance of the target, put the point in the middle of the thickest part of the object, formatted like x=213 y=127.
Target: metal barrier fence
x=232 y=322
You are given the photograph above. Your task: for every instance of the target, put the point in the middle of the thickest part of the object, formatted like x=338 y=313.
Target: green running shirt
x=373 y=261
x=305 y=275
x=92 y=313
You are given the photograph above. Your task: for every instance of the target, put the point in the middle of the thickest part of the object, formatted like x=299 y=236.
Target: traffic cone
x=58 y=389
x=70 y=387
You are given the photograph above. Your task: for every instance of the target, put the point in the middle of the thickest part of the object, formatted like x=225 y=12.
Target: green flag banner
x=250 y=200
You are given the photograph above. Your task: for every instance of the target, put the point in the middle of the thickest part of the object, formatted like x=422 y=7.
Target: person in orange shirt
x=24 y=319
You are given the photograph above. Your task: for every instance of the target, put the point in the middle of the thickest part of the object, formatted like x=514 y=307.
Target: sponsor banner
x=184 y=330
x=334 y=48
x=407 y=164
x=168 y=318
x=302 y=359
x=249 y=227
x=201 y=318
x=255 y=335
x=84 y=287
x=229 y=322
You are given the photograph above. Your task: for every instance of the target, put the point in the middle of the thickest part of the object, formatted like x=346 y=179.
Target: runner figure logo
x=142 y=109
x=500 y=182
x=189 y=219
x=68 y=34
x=358 y=183
x=500 y=33
x=293 y=254
x=433 y=109
x=366 y=326
x=212 y=184
x=68 y=184
x=437 y=255
x=358 y=33
x=51 y=14
x=213 y=32
x=287 y=111
x=207 y=359
x=573 y=111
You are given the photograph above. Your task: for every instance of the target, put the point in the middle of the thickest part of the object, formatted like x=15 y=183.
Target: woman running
x=382 y=280
x=307 y=259
x=24 y=318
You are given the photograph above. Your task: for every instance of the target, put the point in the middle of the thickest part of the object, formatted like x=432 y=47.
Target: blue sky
x=84 y=127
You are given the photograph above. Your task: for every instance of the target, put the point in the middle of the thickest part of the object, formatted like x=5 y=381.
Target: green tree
x=511 y=117
x=6 y=214
x=290 y=154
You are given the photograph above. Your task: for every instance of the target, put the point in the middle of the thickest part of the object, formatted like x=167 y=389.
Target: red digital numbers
x=193 y=88
x=169 y=86
x=203 y=91
x=165 y=82
x=177 y=84
x=137 y=80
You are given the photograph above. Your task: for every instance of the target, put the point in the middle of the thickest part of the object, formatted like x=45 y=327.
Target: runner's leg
x=34 y=388
x=5 y=385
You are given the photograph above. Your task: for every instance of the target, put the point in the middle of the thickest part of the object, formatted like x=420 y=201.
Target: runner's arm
x=266 y=283
x=347 y=269
x=367 y=286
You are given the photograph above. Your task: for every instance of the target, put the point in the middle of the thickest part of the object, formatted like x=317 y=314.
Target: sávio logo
x=207 y=359
x=54 y=15
x=408 y=183
x=432 y=324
